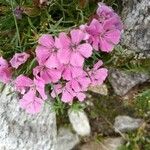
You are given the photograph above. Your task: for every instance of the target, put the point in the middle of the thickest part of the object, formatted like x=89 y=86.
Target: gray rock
x=122 y=82
x=21 y=131
x=136 y=19
x=66 y=140
x=107 y=144
x=126 y=123
x=80 y=122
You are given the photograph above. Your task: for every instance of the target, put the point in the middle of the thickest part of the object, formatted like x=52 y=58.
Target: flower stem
x=17 y=29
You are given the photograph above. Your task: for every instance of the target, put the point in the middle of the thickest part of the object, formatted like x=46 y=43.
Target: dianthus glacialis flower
x=103 y=36
x=74 y=88
x=46 y=51
x=98 y=74
x=106 y=13
x=72 y=50
x=33 y=93
x=19 y=59
x=62 y=61
x=48 y=75
x=5 y=71
x=104 y=30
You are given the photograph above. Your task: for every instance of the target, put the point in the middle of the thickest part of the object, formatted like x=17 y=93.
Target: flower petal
x=76 y=59
x=18 y=59
x=64 y=56
x=105 y=45
x=66 y=97
x=67 y=73
x=65 y=41
x=57 y=89
x=85 y=50
x=3 y=62
x=31 y=103
x=77 y=36
x=81 y=96
x=75 y=86
x=42 y=54
x=113 y=36
x=40 y=87
x=5 y=74
x=22 y=82
x=52 y=61
x=46 y=40
x=76 y=72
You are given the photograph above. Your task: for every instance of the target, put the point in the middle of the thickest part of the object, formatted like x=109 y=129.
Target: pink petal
x=42 y=54
x=64 y=56
x=76 y=59
x=64 y=40
x=77 y=36
x=85 y=50
x=76 y=71
x=52 y=61
x=81 y=96
x=5 y=74
x=19 y=59
x=54 y=74
x=95 y=43
x=101 y=74
x=98 y=64
x=46 y=40
x=113 y=36
x=67 y=73
x=75 y=86
x=3 y=62
x=23 y=82
x=57 y=89
x=95 y=28
x=66 y=97
x=30 y=102
x=113 y=23
x=105 y=45
x=40 y=87
x=84 y=82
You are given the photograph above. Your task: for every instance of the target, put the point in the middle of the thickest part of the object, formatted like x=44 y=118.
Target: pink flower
x=73 y=88
x=103 y=36
x=69 y=72
x=106 y=13
x=30 y=89
x=23 y=83
x=19 y=59
x=30 y=102
x=48 y=75
x=46 y=51
x=5 y=71
x=72 y=50
x=97 y=74
x=68 y=94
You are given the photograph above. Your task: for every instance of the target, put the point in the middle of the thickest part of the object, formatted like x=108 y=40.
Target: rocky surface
x=66 y=140
x=122 y=82
x=136 y=19
x=99 y=89
x=80 y=122
x=126 y=123
x=21 y=131
x=107 y=144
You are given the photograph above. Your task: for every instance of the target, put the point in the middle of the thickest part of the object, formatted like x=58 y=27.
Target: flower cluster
x=61 y=61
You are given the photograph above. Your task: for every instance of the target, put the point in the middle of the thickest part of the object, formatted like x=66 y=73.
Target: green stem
x=17 y=29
